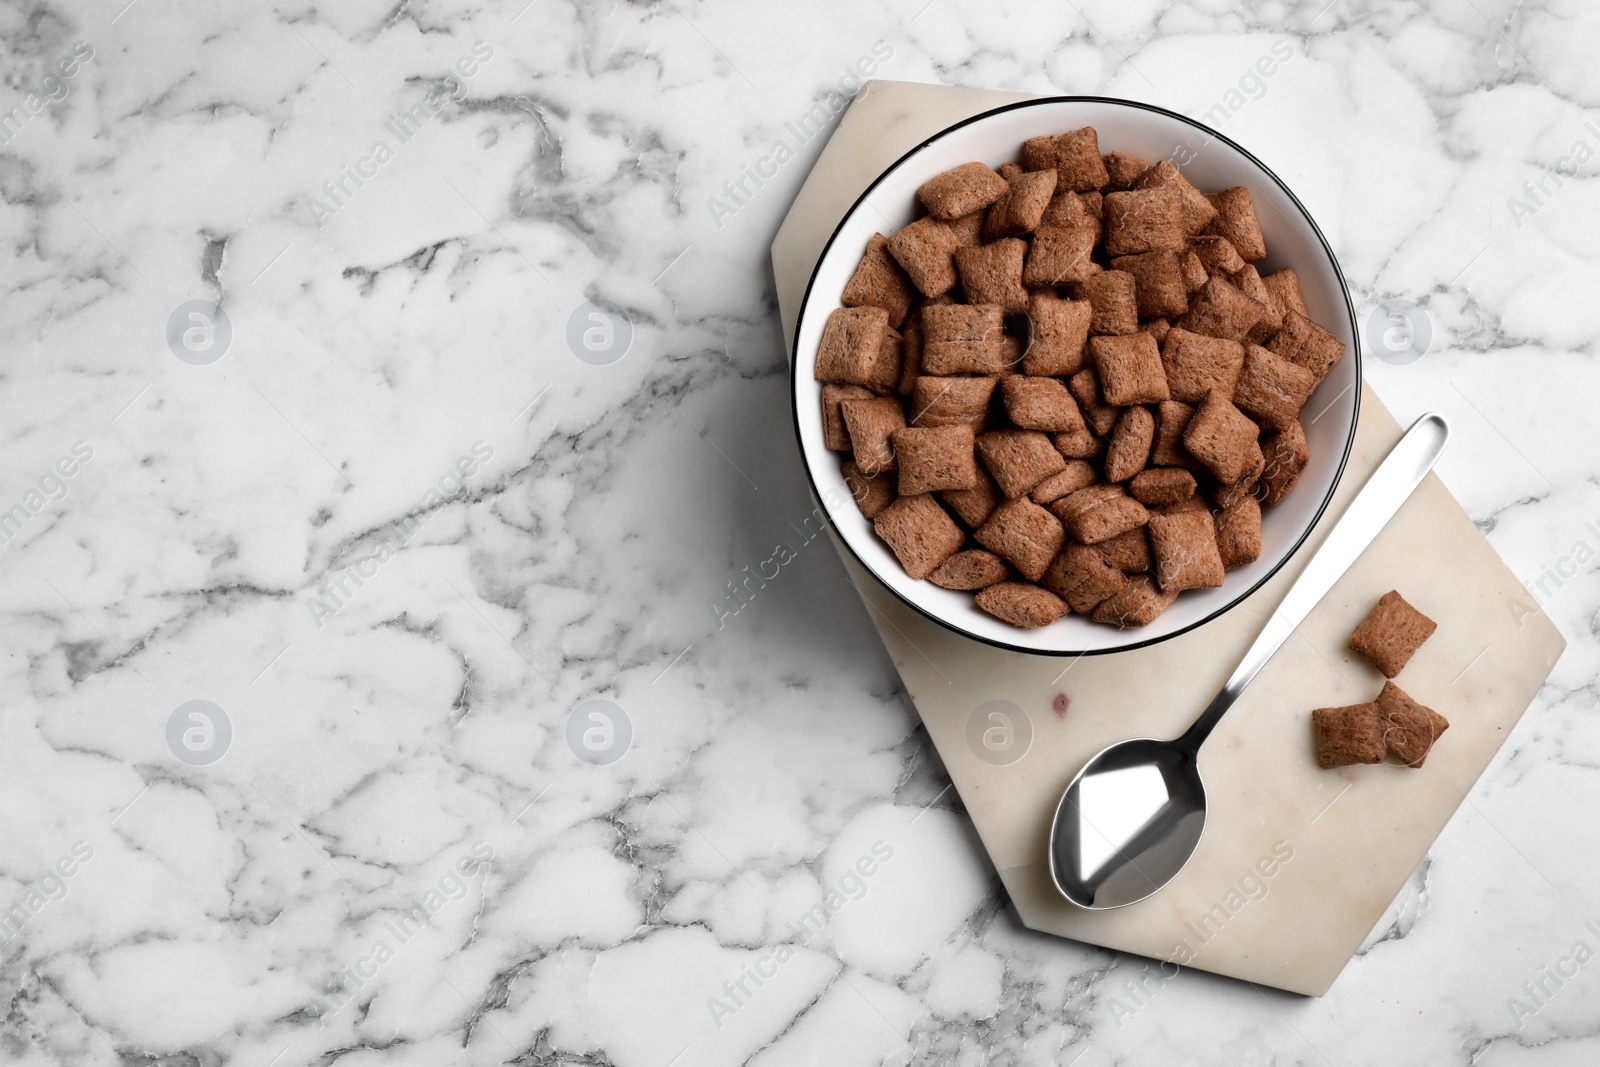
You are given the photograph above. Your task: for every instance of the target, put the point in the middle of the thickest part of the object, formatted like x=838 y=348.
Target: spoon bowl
x=1132 y=817
x=1129 y=820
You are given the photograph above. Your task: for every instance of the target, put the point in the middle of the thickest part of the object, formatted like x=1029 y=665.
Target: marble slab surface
x=421 y=509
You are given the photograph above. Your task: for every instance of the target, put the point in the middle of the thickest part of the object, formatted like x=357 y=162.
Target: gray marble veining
x=492 y=425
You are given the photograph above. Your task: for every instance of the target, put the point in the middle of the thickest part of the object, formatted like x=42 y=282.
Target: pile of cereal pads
x=1067 y=388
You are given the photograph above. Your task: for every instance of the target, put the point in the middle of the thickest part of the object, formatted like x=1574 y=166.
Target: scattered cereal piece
x=919 y=532
x=1019 y=459
x=1136 y=604
x=872 y=424
x=938 y=457
x=1391 y=632
x=1130 y=444
x=879 y=282
x=1129 y=368
x=1082 y=577
x=1351 y=734
x=1158 y=487
x=872 y=492
x=965 y=189
x=1024 y=534
x=1409 y=728
x=1184 y=544
x=974 y=568
x=1022 y=605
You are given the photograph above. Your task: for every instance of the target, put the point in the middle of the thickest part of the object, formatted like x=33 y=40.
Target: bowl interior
x=1211 y=163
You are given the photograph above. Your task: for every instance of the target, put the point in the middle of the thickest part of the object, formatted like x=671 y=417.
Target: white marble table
x=411 y=510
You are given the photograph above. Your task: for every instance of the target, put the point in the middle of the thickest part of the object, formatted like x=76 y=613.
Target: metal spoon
x=1132 y=817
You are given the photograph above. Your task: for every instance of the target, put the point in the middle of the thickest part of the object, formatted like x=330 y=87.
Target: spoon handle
x=1388 y=487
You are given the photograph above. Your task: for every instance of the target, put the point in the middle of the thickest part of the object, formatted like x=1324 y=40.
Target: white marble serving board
x=1297 y=864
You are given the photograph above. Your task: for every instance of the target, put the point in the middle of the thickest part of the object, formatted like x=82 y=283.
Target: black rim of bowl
x=1355 y=353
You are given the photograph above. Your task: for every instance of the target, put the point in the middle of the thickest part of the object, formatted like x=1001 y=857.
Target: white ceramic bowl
x=1211 y=162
